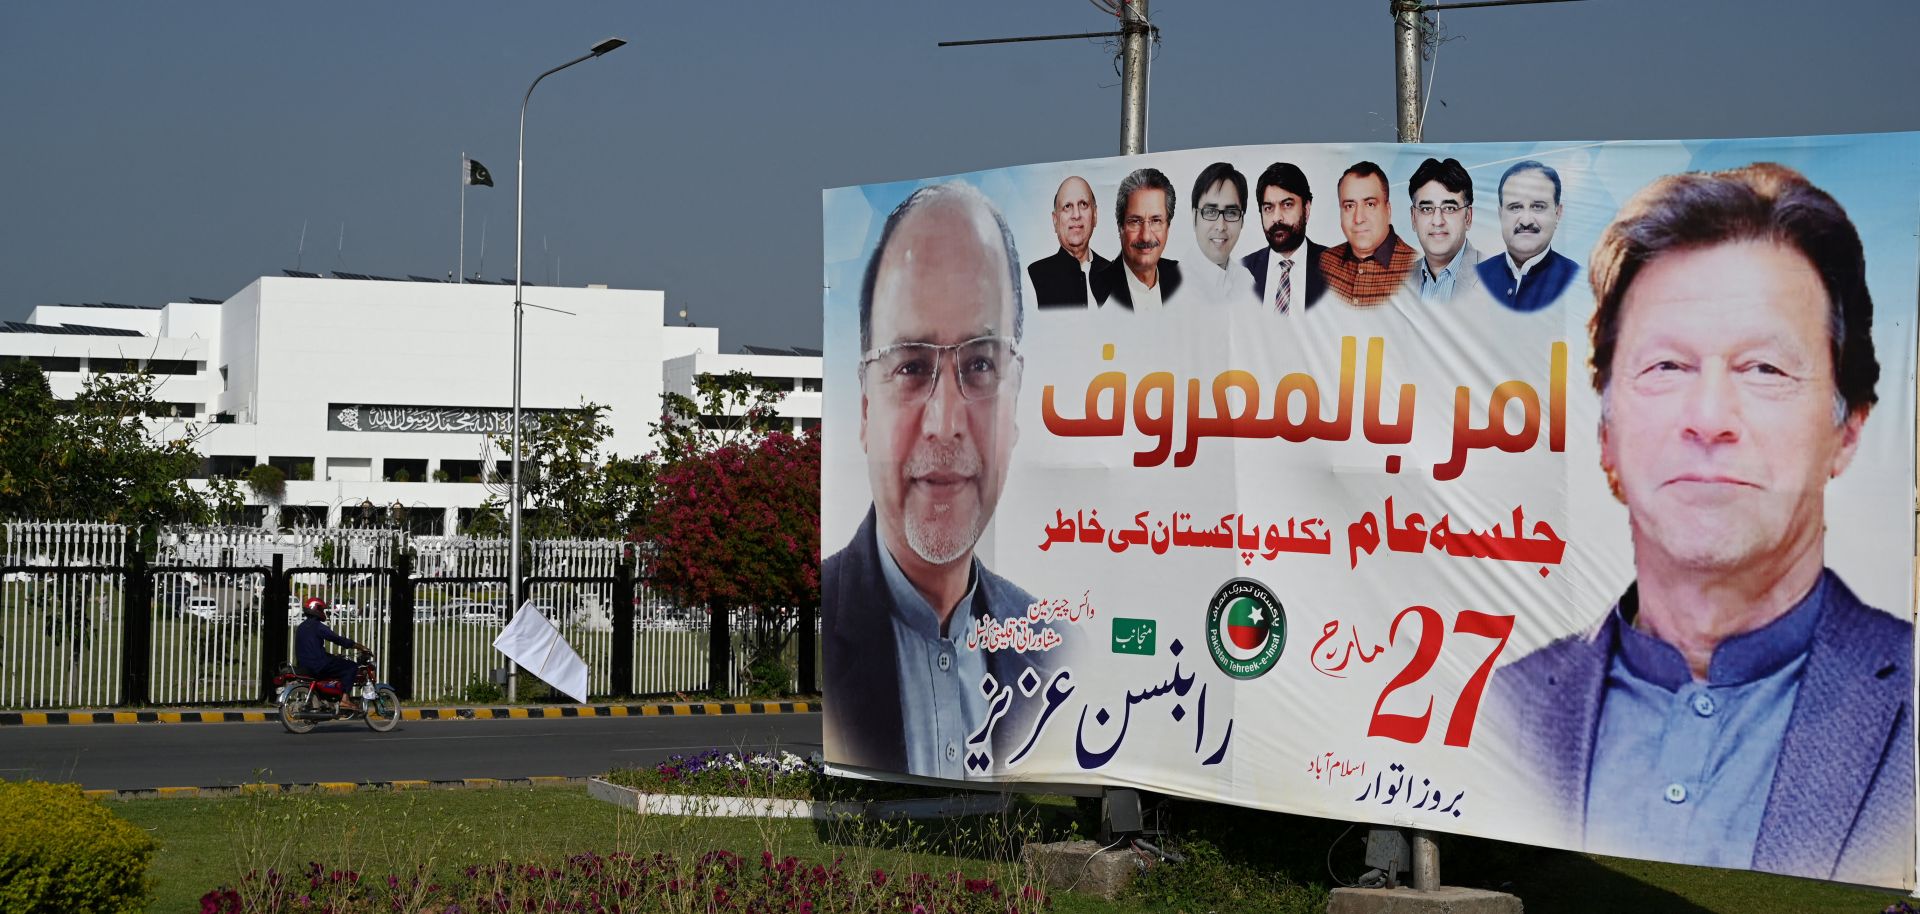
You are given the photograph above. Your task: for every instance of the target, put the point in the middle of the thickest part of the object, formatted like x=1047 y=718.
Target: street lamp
x=519 y=307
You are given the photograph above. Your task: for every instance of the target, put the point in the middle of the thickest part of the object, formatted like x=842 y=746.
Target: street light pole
x=519 y=315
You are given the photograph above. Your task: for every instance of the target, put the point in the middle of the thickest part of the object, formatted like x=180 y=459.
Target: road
x=135 y=756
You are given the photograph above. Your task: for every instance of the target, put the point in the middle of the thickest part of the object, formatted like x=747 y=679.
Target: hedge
x=60 y=851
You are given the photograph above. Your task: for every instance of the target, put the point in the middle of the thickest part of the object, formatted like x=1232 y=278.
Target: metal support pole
x=1406 y=68
x=1426 y=862
x=1135 y=55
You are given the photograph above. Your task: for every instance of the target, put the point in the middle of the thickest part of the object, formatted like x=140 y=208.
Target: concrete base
x=1447 y=900
x=1081 y=866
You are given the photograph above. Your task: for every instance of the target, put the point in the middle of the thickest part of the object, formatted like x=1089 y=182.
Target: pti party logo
x=1246 y=628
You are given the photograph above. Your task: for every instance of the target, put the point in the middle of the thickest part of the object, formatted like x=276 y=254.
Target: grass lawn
x=205 y=843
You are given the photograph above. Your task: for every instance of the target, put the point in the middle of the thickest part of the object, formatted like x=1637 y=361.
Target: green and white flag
x=478 y=174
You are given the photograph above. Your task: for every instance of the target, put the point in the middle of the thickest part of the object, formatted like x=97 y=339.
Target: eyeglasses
x=1213 y=213
x=1446 y=209
x=909 y=372
x=1136 y=223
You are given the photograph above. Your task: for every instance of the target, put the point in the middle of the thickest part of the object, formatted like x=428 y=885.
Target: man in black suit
x=1141 y=280
x=914 y=683
x=1285 y=203
x=1060 y=279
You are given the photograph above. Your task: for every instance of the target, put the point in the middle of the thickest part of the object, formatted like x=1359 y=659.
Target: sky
x=155 y=152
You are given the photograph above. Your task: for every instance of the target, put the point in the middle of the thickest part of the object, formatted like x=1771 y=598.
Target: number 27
x=1410 y=729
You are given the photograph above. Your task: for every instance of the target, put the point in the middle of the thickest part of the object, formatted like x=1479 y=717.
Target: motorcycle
x=305 y=701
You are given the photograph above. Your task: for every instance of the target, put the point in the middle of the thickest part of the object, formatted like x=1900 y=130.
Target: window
x=810 y=425
x=403 y=469
x=103 y=365
x=461 y=470
x=172 y=366
x=296 y=468
x=229 y=466
x=297 y=516
x=173 y=410
x=48 y=363
x=810 y=385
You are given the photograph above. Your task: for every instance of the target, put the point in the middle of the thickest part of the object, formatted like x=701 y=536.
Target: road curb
x=669 y=709
x=329 y=788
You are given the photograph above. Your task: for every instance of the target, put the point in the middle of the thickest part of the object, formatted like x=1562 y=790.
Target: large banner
x=1560 y=493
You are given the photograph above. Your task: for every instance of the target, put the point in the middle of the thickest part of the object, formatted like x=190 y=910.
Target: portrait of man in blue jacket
x=909 y=688
x=1738 y=706
x=1531 y=274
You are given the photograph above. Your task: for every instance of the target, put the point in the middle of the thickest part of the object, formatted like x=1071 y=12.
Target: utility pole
x=1136 y=36
x=1135 y=57
x=1408 y=36
x=1406 y=68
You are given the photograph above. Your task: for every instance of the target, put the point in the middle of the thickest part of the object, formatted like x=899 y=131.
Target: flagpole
x=463 y=217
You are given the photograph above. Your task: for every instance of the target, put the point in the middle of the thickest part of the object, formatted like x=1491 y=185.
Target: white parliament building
x=370 y=393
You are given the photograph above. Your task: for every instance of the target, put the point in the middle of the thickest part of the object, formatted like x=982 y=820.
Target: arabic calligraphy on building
x=365 y=417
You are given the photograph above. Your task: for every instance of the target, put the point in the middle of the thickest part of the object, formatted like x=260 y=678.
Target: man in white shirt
x=1219 y=212
x=1141 y=280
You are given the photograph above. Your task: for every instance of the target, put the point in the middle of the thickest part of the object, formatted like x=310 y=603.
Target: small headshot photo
x=1286 y=273
x=1060 y=279
x=940 y=370
x=1532 y=274
x=1737 y=706
x=1442 y=214
x=1142 y=279
x=1219 y=203
x=1373 y=263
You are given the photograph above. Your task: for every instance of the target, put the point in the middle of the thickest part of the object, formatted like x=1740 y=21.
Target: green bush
x=1208 y=881
x=60 y=851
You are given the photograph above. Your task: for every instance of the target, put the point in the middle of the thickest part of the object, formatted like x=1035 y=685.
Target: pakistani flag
x=1247 y=624
x=478 y=174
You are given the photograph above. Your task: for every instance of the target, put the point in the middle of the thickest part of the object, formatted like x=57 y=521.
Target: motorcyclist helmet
x=315 y=607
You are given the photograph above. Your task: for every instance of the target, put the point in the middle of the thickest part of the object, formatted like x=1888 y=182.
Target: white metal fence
x=60 y=633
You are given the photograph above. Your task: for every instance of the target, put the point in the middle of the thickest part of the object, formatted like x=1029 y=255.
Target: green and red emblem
x=1246 y=628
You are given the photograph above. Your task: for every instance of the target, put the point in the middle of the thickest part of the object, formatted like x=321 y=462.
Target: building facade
x=375 y=397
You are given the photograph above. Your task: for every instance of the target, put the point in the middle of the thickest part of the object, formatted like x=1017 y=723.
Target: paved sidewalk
x=500 y=712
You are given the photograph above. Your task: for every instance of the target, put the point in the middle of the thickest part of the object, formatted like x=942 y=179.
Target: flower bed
x=715 y=881
x=782 y=776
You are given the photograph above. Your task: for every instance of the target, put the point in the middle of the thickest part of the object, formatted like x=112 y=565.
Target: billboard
x=1558 y=493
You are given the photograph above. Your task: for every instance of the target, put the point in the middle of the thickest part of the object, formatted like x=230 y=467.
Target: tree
x=98 y=457
x=579 y=490
x=739 y=527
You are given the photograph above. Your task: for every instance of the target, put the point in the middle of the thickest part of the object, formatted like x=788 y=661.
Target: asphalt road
x=135 y=756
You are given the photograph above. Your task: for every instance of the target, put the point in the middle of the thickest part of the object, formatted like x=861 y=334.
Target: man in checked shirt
x=1373 y=263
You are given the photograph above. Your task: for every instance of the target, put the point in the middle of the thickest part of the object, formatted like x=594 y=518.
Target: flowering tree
x=738 y=526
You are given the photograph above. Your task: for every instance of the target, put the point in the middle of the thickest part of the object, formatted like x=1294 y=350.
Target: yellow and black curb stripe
x=326 y=787
x=675 y=709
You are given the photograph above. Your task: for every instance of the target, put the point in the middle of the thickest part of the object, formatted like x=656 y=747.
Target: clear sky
x=156 y=151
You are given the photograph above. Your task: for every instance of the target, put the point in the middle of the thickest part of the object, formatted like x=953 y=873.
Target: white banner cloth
x=532 y=641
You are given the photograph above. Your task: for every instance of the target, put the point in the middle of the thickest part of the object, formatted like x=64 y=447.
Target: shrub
x=1207 y=881
x=482 y=691
x=60 y=851
x=267 y=482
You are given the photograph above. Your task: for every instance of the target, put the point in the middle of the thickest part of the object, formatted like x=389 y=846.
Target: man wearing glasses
x=1219 y=211
x=940 y=323
x=1141 y=280
x=1060 y=279
x=1532 y=275
x=1442 y=194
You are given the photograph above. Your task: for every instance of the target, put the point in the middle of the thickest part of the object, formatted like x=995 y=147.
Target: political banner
x=1559 y=493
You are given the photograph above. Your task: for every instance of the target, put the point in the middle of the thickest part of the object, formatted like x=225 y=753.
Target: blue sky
x=158 y=151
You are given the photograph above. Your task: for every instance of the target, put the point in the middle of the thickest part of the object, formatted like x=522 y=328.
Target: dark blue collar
x=1743 y=658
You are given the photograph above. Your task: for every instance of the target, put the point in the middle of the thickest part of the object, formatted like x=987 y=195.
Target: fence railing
x=87 y=621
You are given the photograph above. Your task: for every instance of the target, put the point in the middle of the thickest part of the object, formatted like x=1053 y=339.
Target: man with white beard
x=906 y=681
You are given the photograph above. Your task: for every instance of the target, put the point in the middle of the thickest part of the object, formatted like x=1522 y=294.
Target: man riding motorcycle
x=310 y=652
